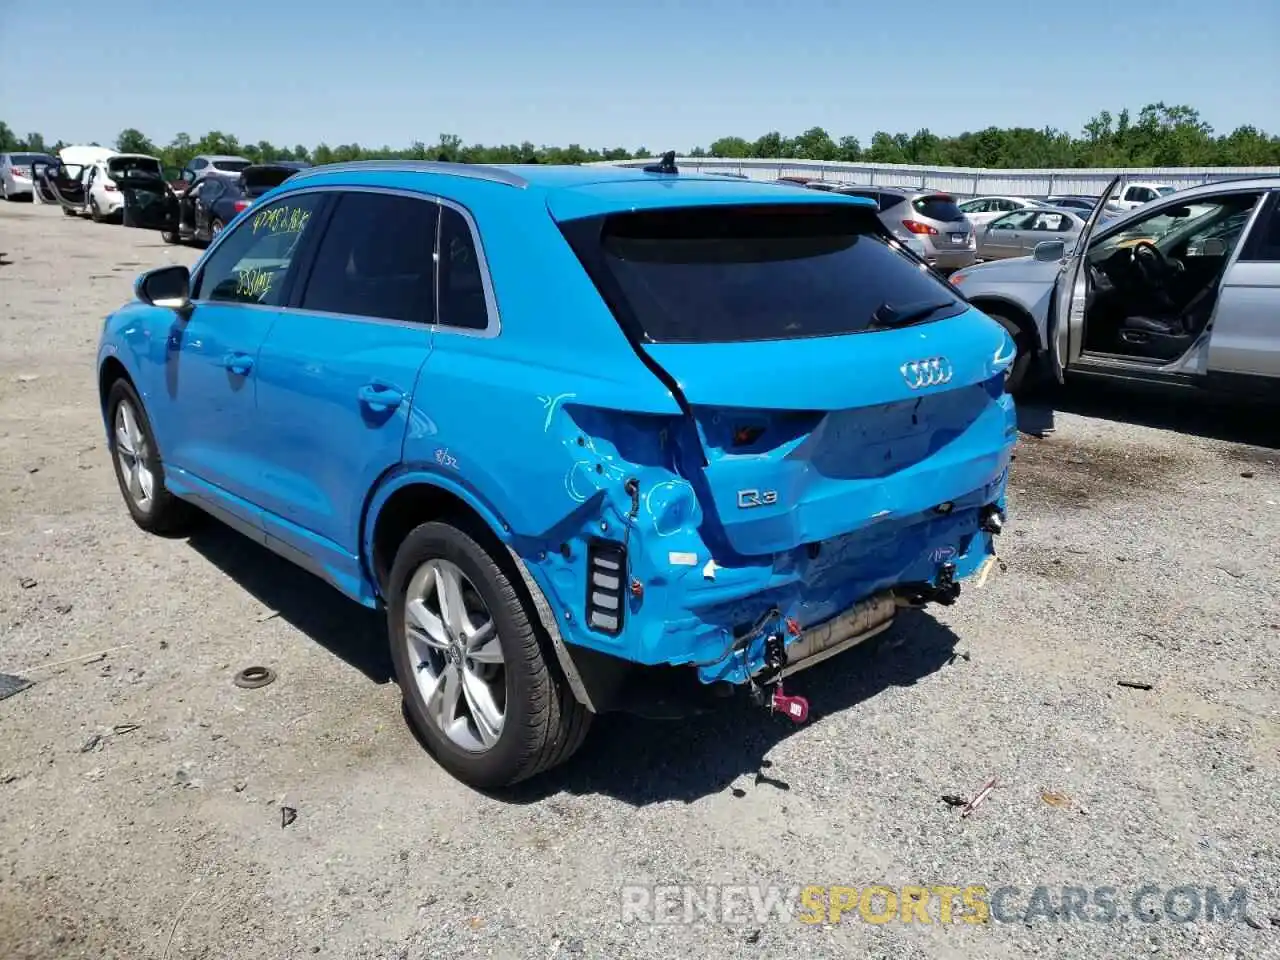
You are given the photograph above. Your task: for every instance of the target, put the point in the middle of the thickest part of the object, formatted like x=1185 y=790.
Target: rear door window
x=771 y=272
x=937 y=207
x=376 y=259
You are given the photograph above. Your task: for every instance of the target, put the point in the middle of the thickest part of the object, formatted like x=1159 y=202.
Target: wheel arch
x=404 y=501
x=110 y=370
x=1016 y=312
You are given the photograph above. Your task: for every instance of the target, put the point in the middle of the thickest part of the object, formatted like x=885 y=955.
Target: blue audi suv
x=579 y=431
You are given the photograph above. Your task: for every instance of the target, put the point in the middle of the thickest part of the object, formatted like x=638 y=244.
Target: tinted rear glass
x=230 y=166
x=938 y=208
x=258 y=181
x=717 y=274
x=133 y=167
x=26 y=159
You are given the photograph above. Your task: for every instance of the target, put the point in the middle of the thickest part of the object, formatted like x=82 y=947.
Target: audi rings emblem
x=933 y=372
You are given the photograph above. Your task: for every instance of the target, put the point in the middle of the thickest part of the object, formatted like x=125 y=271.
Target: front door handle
x=379 y=397
x=238 y=363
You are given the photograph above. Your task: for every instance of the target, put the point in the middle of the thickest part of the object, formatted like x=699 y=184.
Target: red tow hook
x=796 y=709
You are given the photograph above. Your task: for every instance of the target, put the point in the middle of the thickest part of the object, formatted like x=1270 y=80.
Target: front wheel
x=137 y=463
x=1017 y=376
x=477 y=682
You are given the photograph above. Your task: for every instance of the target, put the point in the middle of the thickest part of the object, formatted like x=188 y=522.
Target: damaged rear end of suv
x=842 y=449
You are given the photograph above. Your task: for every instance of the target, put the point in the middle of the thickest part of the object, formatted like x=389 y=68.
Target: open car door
x=65 y=184
x=1071 y=292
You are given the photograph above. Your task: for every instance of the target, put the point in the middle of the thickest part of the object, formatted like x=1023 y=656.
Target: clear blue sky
x=622 y=72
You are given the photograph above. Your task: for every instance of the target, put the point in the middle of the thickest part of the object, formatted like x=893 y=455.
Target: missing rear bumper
x=817 y=643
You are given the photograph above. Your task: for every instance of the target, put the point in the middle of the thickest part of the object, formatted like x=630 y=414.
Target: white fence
x=964 y=181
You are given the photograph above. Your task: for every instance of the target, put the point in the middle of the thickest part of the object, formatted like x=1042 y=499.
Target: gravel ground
x=1135 y=551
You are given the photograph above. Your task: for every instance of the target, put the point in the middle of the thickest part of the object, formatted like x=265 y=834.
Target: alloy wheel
x=133 y=455
x=457 y=656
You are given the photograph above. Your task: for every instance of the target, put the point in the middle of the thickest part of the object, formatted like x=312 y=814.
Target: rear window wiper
x=888 y=316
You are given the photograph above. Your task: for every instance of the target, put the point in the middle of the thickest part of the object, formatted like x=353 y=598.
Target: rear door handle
x=238 y=363
x=379 y=397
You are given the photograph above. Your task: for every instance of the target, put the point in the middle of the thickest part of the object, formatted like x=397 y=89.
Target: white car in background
x=1129 y=196
x=103 y=198
x=982 y=210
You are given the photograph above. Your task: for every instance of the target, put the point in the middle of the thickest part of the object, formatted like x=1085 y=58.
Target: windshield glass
x=229 y=166
x=1165 y=191
x=1166 y=228
x=770 y=272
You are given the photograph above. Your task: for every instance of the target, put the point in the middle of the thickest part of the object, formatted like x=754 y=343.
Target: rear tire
x=139 y=471
x=94 y=213
x=541 y=723
x=215 y=227
x=1016 y=380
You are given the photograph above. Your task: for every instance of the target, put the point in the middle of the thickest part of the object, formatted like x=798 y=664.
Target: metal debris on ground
x=92 y=743
x=26 y=583
x=269 y=616
x=1134 y=684
x=287 y=816
x=953 y=800
x=250 y=678
x=85 y=658
x=1055 y=799
x=979 y=798
x=121 y=728
x=11 y=684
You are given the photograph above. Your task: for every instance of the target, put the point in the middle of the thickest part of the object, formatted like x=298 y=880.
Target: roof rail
x=472 y=171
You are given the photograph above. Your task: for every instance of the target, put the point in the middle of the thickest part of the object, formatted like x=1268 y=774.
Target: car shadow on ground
x=641 y=761
x=664 y=760
x=354 y=633
x=1183 y=411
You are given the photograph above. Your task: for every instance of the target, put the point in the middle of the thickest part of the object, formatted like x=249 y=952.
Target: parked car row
x=191 y=204
x=1182 y=290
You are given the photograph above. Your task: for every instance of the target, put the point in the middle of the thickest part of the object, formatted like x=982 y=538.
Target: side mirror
x=1048 y=251
x=165 y=287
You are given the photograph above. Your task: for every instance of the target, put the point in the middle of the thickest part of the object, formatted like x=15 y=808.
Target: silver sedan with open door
x=1184 y=290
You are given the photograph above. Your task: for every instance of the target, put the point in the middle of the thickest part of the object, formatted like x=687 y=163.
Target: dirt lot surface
x=141 y=792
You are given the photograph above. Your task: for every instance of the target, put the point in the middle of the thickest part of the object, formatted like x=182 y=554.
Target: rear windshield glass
x=26 y=159
x=257 y=182
x=938 y=208
x=133 y=167
x=229 y=166
x=716 y=274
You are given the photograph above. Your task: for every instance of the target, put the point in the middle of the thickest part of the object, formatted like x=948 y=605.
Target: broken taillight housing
x=243 y=205
x=606 y=585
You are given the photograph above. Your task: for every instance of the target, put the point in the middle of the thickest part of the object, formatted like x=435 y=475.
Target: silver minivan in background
x=1184 y=291
x=931 y=217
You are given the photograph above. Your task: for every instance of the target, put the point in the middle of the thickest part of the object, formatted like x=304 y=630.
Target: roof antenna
x=666 y=165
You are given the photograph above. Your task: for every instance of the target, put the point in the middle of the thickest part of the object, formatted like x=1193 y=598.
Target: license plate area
x=959 y=238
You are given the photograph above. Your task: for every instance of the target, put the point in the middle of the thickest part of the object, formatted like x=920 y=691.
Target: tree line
x=1159 y=136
